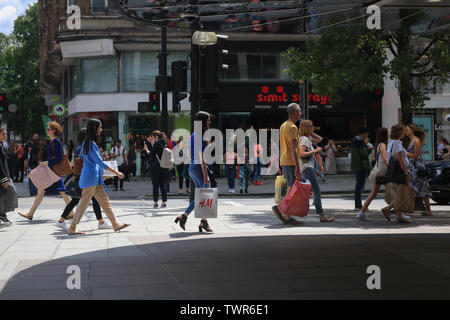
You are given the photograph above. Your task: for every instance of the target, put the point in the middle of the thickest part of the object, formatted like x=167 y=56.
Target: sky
x=9 y=11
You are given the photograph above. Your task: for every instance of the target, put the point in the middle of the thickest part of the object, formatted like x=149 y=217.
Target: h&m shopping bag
x=43 y=177
x=296 y=203
x=206 y=202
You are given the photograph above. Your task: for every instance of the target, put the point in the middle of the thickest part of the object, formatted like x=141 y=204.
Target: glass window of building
x=75 y=80
x=98 y=6
x=100 y=75
x=138 y=71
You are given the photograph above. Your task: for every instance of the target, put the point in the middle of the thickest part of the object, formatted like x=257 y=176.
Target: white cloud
x=9 y=11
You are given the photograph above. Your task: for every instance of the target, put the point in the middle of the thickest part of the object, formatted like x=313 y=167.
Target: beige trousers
x=101 y=196
x=402 y=197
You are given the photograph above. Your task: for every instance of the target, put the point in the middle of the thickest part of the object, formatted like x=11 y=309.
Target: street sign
x=59 y=110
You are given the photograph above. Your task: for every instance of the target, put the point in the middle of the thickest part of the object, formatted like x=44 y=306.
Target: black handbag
x=394 y=173
x=73 y=189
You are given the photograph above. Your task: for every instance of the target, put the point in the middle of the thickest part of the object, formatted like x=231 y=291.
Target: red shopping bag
x=296 y=203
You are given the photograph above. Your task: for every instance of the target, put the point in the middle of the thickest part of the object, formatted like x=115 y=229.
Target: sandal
x=292 y=221
x=425 y=214
x=403 y=220
x=327 y=219
x=386 y=214
x=76 y=232
x=25 y=216
x=122 y=227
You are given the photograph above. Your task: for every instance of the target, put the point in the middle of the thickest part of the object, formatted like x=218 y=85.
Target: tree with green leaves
x=19 y=74
x=349 y=59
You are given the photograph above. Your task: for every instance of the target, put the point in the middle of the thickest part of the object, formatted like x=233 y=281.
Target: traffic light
x=3 y=106
x=153 y=101
x=152 y=105
x=179 y=84
x=211 y=66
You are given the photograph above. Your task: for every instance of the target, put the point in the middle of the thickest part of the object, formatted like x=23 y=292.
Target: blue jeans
x=231 y=175
x=196 y=174
x=257 y=173
x=310 y=174
x=360 y=183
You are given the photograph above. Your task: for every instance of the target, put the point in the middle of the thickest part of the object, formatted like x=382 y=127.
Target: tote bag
x=43 y=177
x=206 y=202
x=296 y=203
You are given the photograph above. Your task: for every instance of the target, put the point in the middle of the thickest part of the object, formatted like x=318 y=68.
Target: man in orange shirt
x=289 y=155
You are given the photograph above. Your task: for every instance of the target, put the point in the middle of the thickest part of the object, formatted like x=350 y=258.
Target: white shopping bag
x=107 y=173
x=206 y=202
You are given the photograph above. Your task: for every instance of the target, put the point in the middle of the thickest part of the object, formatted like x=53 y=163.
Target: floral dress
x=421 y=186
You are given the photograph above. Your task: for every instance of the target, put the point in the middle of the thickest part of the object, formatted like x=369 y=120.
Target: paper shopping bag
x=107 y=173
x=206 y=202
x=43 y=177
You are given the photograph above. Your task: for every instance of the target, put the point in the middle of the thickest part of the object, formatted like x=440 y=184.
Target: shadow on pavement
x=412 y=266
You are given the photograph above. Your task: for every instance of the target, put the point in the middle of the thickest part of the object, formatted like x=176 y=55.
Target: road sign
x=59 y=110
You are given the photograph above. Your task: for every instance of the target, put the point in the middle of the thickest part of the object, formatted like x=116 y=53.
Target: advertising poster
x=426 y=123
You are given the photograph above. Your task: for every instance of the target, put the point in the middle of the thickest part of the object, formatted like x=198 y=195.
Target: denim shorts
x=289 y=174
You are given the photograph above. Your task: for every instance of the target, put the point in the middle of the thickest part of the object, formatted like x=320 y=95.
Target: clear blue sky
x=9 y=11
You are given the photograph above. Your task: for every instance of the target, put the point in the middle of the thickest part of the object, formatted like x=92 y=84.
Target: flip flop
x=123 y=227
x=403 y=221
x=25 y=216
x=386 y=214
x=77 y=232
x=327 y=219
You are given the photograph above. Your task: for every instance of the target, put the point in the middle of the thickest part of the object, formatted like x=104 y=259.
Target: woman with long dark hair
x=381 y=166
x=102 y=224
x=55 y=155
x=198 y=170
x=422 y=189
x=158 y=174
x=91 y=180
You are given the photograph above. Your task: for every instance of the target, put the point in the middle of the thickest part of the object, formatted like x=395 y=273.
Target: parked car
x=439 y=179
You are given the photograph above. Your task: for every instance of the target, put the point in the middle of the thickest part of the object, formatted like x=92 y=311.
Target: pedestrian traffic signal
x=154 y=102
x=3 y=107
x=179 y=84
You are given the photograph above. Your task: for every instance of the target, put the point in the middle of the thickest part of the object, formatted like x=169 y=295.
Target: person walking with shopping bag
x=378 y=170
x=8 y=193
x=307 y=154
x=198 y=170
x=398 y=174
x=91 y=180
x=55 y=156
x=102 y=224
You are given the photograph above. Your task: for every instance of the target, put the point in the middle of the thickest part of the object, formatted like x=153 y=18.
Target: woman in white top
x=307 y=165
x=396 y=149
x=380 y=167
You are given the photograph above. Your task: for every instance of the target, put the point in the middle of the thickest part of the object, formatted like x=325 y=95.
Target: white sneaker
x=232 y=191
x=104 y=225
x=362 y=216
x=62 y=225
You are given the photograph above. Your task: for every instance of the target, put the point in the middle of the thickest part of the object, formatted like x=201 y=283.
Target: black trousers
x=159 y=181
x=18 y=176
x=180 y=169
x=75 y=201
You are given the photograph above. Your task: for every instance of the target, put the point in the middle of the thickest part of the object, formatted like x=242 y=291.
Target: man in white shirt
x=118 y=153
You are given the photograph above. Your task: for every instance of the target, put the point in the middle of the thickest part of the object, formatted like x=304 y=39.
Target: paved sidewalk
x=337 y=184
x=251 y=255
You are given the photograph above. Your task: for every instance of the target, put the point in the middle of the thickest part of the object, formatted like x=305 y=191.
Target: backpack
x=167 y=161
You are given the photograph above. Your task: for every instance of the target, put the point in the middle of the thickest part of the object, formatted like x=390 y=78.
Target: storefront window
x=75 y=80
x=100 y=75
x=138 y=71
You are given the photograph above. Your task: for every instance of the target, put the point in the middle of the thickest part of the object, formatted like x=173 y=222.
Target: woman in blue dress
x=422 y=189
x=55 y=155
